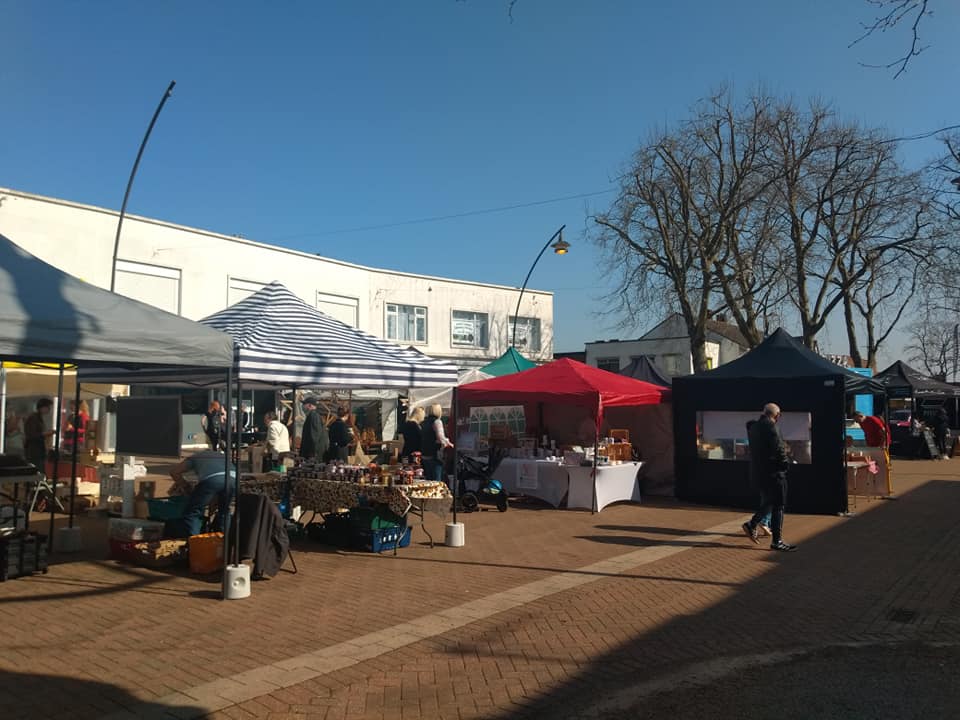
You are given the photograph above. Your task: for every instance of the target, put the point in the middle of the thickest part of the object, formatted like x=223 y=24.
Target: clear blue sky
x=292 y=120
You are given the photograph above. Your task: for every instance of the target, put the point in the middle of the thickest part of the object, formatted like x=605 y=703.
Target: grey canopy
x=47 y=315
x=282 y=341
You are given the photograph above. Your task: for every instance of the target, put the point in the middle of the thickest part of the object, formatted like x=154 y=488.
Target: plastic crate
x=23 y=554
x=383 y=539
x=171 y=508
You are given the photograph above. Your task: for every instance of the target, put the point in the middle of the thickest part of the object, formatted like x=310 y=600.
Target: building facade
x=195 y=273
x=668 y=346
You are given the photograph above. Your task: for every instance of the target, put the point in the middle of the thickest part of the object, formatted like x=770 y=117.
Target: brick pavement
x=632 y=593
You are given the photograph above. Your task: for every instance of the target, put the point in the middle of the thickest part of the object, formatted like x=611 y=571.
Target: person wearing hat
x=315 y=441
x=340 y=436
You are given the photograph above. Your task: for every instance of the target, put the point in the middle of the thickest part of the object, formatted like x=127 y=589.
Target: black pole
x=516 y=315
x=56 y=462
x=456 y=474
x=235 y=545
x=227 y=524
x=73 y=459
x=133 y=174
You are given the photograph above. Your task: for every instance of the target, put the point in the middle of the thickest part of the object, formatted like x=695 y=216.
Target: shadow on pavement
x=842 y=585
x=44 y=696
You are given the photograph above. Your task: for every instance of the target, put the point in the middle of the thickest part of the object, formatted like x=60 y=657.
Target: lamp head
x=561 y=246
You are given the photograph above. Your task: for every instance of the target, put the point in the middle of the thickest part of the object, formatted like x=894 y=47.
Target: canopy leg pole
x=56 y=463
x=235 y=546
x=228 y=519
x=73 y=455
x=456 y=474
x=3 y=411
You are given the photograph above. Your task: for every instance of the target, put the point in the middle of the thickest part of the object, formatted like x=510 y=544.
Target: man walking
x=768 y=470
x=941 y=425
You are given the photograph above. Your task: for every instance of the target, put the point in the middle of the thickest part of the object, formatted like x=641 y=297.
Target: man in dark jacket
x=768 y=471
x=315 y=441
x=941 y=425
x=340 y=437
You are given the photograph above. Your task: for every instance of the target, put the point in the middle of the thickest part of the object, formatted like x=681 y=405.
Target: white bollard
x=236 y=582
x=455 y=535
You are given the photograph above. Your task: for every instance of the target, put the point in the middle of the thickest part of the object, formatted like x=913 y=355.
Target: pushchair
x=477 y=484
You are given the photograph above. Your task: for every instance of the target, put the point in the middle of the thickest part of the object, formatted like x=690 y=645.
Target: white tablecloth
x=541 y=479
x=613 y=483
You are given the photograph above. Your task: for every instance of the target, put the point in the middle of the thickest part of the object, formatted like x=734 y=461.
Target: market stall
x=711 y=409
x=914 y=395
x=507 y=364
x=560 y=411
x=48 y=316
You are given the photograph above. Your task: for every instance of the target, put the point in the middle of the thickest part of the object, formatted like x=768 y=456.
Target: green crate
x=163 y=509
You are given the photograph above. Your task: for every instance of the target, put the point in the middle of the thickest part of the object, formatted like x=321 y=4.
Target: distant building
x=578 y=355
x=668 y=346
x=194 y=273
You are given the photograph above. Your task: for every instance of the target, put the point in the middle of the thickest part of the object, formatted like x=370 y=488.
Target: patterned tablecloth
x=325 y=496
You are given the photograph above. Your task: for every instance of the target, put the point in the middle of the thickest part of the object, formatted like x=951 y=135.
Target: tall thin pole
x=516 y=315
x=73 y=459
x=133 y=174
x=226 y=477
x=56 y=461
x=3 y=409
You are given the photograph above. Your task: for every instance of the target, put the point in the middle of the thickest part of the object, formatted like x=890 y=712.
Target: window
x=343 y=308
x=468 y=329
x=238 y=289
x=610 y=364
x=406 y=323
x=671 y=364
x=528 y=333
x=723 y=435
x=152 y=284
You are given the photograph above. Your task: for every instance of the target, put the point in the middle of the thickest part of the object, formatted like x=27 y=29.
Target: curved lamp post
x=560 y=247
x=133 y=173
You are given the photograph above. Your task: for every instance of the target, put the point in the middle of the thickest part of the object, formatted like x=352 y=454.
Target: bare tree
x=933 y=345
x=891 y=14
x=677 y=230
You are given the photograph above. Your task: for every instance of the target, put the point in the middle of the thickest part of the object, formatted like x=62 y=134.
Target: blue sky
x=294 y=120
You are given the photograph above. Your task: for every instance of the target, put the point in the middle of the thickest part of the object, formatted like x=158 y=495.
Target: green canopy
x=507 y=364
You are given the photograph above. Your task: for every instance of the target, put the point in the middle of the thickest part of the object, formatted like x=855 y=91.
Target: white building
x=668 y=345
x=195 y=273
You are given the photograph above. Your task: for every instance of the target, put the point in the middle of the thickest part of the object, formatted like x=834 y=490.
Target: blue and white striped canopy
x=281 y=341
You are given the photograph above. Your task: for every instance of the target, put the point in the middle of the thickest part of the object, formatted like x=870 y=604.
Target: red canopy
x=563 y=381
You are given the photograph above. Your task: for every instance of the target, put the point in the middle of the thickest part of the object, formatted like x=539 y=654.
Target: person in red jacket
x=874 y=430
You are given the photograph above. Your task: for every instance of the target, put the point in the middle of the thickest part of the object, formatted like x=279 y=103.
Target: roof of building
x=718 y=327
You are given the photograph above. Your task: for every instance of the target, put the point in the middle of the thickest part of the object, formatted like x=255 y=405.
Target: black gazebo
x=811 y=392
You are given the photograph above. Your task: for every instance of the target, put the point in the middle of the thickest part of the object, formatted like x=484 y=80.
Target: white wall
x=671 y=355
x=203 y=272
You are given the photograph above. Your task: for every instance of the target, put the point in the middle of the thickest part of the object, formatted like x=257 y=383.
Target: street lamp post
x=133 y=173
x=560 y=247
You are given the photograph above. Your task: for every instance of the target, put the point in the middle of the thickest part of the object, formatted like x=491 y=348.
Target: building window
x=527 y=331
x=152 y=284
x=343 y=308
x=671 y=364
x=709 y=363
x=610 y=364
x=468 y=329
x=406 y=323
x=238 y=289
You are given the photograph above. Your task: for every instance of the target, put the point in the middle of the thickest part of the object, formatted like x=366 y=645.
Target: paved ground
x=661 y=610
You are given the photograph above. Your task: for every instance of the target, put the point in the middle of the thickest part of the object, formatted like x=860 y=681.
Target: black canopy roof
x=901 y=379
x=781 y=356
x=642 y=368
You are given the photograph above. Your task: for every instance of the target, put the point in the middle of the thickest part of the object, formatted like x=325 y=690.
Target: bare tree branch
x=890 y=14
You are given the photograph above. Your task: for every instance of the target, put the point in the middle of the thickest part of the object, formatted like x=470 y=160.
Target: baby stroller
x=477 y=483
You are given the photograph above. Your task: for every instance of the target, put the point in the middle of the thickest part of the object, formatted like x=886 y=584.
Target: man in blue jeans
x=768 y=471
x=209 y=466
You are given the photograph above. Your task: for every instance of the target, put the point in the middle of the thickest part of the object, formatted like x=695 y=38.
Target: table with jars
x=321 y=488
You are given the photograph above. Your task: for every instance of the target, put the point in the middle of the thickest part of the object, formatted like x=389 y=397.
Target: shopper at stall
x=411 y=431
x=314 y=441
x=35 y=434
x=209 y=466
x=77 y=422
x=213 y=421
x=340 y=436
x=768 y=471
x=875 y=431
x=941 y=425
x=278 y=438
x=433 y=442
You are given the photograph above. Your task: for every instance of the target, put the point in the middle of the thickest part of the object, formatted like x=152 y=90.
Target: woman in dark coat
x=412 y=434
